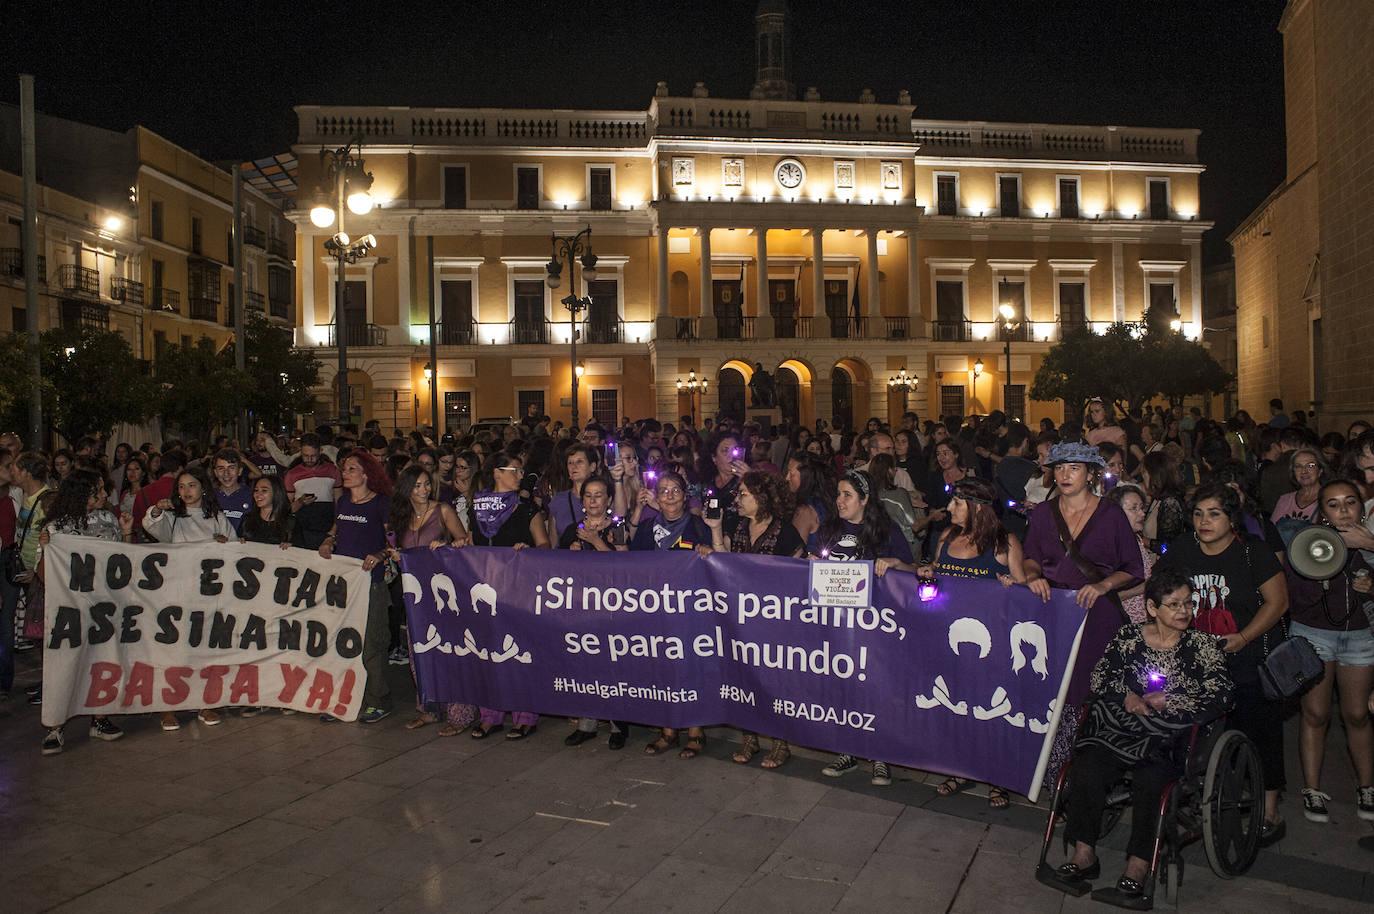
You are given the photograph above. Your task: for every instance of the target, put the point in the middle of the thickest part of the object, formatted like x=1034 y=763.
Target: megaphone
x=1317 y=553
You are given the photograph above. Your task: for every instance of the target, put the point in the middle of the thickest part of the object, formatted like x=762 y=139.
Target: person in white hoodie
x=190 y=515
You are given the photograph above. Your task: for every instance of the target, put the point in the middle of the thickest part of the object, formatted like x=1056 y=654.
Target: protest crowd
x=1170 y=529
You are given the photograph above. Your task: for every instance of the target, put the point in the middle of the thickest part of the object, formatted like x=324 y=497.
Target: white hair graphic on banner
x=445 y=595
x=1023 y=635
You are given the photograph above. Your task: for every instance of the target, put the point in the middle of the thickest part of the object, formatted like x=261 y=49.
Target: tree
x=201 y=388
x=1126 y=365
x=91 y=381
x=280 y=376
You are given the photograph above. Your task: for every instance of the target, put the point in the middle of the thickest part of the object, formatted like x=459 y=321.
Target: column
x=306 y=335
x=1118 y=284
x=665 y=326
x=1195 y=281
x=875 y=310
x=915 y=326
x=820 y=325
x=763 y=323
x=707 y=320
x=405 y=304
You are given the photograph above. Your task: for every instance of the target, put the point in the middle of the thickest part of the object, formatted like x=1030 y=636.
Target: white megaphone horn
x=1317 y=553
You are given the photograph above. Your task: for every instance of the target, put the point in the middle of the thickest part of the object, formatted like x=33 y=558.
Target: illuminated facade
x=833 y=243
x=134 y=236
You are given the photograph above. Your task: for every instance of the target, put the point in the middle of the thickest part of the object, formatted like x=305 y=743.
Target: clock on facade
x=789 y=173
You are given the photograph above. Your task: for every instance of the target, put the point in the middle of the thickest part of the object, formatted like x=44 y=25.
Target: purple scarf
x=493 y=509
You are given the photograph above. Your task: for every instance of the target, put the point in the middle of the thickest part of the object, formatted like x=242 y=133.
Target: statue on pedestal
x=761 y=392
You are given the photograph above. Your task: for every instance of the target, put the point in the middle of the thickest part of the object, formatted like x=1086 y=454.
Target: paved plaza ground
x=285 y=813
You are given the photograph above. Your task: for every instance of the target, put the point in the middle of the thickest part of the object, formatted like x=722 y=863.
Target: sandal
x=482 y=731
x=778 y=755
x=451 y=730
x=998 y=798
x=521 y=731
x=954 y=785
x=422 y=720
x=693 y=748
x=748 y=748
x=660 y=745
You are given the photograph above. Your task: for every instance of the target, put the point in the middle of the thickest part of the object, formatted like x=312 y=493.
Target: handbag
x=1293 y=665
x=13 y=555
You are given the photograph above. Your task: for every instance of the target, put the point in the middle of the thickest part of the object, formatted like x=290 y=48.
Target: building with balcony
x=831 y=243
x=135 y=235
x=1303 y=265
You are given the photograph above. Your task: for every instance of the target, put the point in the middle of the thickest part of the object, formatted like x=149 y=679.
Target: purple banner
x=967 y=683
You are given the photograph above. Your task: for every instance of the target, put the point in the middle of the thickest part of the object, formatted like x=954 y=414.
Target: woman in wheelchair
x=1155 y=681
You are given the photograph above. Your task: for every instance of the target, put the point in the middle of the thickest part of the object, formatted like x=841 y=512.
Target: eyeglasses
x=1177 y=604
x=670 y=490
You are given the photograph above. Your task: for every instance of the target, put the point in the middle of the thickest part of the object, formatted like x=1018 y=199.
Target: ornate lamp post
x=902 y=382
x=694 y=387
x=574 y=250
x=977 y=370
x=345 y=185
x=1009 y=327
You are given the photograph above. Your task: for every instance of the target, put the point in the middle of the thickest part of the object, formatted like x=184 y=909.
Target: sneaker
x=170 y=722
x=328 y=719
x=52 y=743
x=249 y=712
x=1365 y=801
x=22 y=645
x=840 y=766
x=1314 y=805
x=101 y=728
x=371 y=715
x=882 y=777
x=35 y=695
x=209 y=718
x=399 y=656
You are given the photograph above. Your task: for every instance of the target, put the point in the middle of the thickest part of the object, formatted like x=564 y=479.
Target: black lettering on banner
x=316 y=639
x=83 y=573
x=247 y=586
x=129 y=632
x=284 y=574
x=221 y=631
x=289 y=635
x=66 y=627
x=254 y=633
x=119 y=571
x=197 y=628
x=167 y=619
x=153 y=563
x=209 y=577
x=102 y=626
x=305 y=593
x=348 y=643
x=336 y=592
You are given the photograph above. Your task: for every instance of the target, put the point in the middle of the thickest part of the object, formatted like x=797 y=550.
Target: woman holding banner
x=419 y=520
x=78 y=510
x=672 y=528
x=762 y=529
x=500 y=517
x=1082 y=542
x=359 y=532
x=860 y=530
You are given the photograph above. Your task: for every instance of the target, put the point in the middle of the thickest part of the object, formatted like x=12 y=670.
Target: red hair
x=377 y=480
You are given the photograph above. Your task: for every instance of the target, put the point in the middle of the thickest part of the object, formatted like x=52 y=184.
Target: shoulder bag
x=1292 y=665
x=13 y=558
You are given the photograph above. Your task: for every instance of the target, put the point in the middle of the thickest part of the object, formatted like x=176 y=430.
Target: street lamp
x=1009 y=327
x=574 y=250
x=977 y=370
x=905 y=383
x=693 y=387
x=432 y=381
x=344 y=184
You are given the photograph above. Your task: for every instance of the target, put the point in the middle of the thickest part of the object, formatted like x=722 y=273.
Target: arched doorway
x=792 y=381
x=842 y=399
x=731 y=393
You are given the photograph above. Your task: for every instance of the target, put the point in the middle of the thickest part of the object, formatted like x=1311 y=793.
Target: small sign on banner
x=842 y=584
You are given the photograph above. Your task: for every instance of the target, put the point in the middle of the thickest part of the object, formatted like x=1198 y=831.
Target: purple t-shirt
x=235 y=504
x=361 y=529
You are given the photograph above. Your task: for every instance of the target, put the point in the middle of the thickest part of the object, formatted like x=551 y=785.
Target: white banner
x=131 y=629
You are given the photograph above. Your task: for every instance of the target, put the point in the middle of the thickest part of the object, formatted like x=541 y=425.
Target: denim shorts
x=1352 y=648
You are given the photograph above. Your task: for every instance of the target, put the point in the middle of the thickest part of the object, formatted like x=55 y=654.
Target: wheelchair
x=1218 y=800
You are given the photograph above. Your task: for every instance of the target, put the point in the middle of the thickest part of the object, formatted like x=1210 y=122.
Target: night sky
x=221 y=79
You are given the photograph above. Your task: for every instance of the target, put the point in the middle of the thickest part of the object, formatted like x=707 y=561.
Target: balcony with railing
x=75 y=312
x=12 y=264
x=897 y=328
x=735 y=328
x=254 y=236
x=166 y=300
x=254 y=301
x=946 y=331
x=687 y=328
x=603 y=331
x=276 y=246
x=78 y=280
x=455 y=332
x=129 y=291
x=1020 y=332
x=844 y=327
x=529 y=331
x=279 y=307
x=360 y=335
x=788 y=327
x=202 y=308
